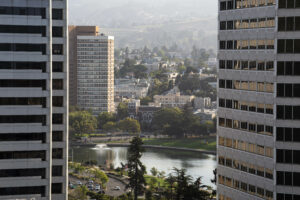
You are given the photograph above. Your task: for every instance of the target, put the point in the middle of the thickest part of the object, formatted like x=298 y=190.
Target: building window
x=57 y=31
x=57 y=118
x=57 y=170
x=57 y=66
x=57 y=136
x=58 y=84
x=56 y=188
x=57 y=153
x=57 y=101
x=57 y=49
x=57 y=14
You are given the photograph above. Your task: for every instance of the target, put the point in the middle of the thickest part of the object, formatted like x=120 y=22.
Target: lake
x=196 y=164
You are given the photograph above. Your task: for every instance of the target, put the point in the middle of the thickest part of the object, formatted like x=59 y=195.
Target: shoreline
x=163 y=147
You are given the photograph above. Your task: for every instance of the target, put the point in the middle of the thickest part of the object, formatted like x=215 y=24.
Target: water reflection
x=196 y=164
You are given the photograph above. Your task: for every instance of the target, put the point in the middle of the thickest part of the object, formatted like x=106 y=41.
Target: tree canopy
x=82 y=122
x=129 y=125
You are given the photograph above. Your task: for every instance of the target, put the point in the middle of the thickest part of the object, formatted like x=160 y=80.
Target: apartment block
x=95 y=73
x=33 y=99
x=75 y=31
x=259 y=100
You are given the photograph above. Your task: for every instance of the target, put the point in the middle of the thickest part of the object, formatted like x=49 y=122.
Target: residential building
x=202 y=102
x=75 y=31
x=131 y=88
x=142 y=113
x=173 y=100
x=258 y=100
x=95 y=73
x=33 y=100
x=206 y=114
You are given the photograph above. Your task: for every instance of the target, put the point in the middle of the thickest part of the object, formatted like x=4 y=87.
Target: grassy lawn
x=208 y=143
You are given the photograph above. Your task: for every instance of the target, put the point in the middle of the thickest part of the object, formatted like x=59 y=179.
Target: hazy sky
x=89 y=10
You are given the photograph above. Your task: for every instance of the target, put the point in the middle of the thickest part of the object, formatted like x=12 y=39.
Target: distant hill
x=137 y=23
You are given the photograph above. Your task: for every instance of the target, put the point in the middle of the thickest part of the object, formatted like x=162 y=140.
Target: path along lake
x=196 y=164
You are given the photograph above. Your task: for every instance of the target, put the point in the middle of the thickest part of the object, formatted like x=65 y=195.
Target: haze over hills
x=136 y=23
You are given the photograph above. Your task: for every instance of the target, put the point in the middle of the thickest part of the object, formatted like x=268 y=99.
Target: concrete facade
x=95 y=73
x=256 y=112
x=33 y=99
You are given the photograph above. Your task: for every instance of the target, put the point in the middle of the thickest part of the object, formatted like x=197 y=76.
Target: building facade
x=172 y=100
x=95 y=73
x=258 y=100
x=33 y=99
x=75 y=31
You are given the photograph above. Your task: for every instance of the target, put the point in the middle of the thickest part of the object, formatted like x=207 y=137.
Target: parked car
x=91 y=182
x=71 y=186
x=117 y=188
x=78 y=183
x=97 y=187
x=90 y=187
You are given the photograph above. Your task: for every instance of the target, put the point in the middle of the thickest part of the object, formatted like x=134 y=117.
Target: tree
x=185 y=189
x=129 y=125
x=136 y=169
x=154 y=171
x=101 y=176
x=146 y=100
x=82 y=122
x=80 y=193
x=110 y=126
x=168 y=121
x=122 y=111
x=105 y=117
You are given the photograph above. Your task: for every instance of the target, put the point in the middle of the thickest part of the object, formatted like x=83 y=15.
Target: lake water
x=196 y=164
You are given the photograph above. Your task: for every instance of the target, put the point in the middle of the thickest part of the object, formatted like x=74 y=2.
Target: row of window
x=248 y=23
x=239 y=4
x=246 y=167
x=246 y=106
x=288 y=156
x=245 y=146
x=57 y=136
x=23 y=137
x=23 y=83
x=282 y=196
x=23 y=172
x=23 y=11
x=288 y=90
x=289 y=4
x=56 y=66
x=57 y=101
x=23 y=119
x=23 y=29
x=246 y=44
x=39 y=190
x=246 y=126
x=246 y=85
x=246 y=65
x=288 y=68
x=288 y=112
x=23 y=47
x=23 y=101
x=288 y=23
x=23 y=155
x=288 y=134
x=244 y=187
x=288 y=46
x=288 y=178
x=56 y=119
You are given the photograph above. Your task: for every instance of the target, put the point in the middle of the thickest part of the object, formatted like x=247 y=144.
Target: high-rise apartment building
x=259 y=100
x=95 y=73
x=33 y=99
x=75 y=31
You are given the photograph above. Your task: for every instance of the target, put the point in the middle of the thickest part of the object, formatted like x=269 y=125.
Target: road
x=112 y=183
